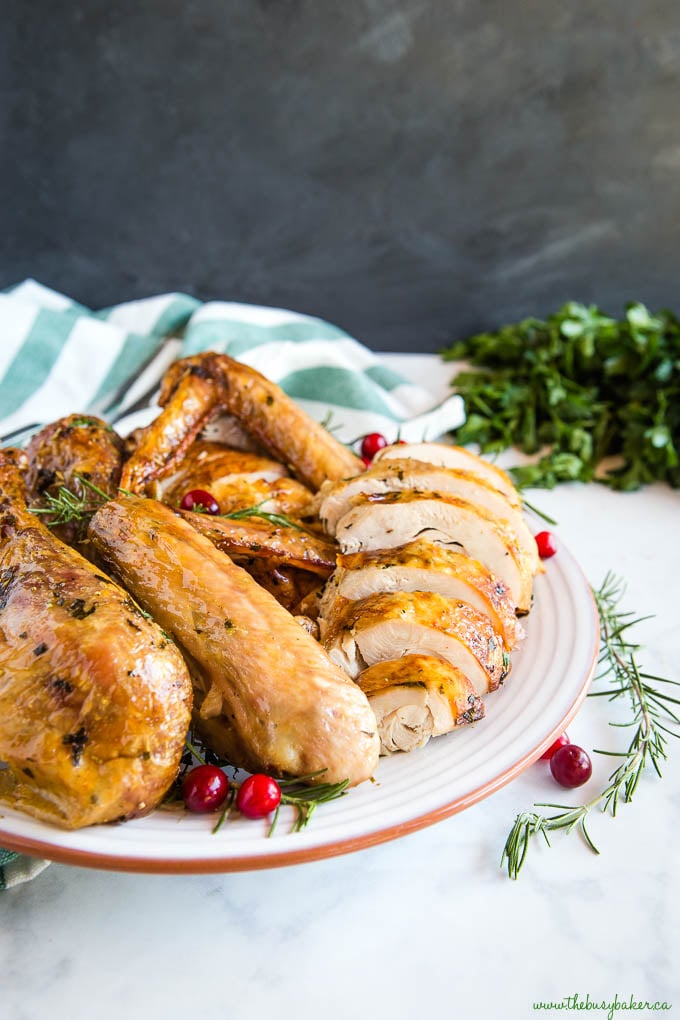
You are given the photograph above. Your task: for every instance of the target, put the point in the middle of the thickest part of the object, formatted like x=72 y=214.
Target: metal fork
x=154 y=365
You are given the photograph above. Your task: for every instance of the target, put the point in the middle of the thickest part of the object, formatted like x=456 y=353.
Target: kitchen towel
x=17 y=868
x=58 y=357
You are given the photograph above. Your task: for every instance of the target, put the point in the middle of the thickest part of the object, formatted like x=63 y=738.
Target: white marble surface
x=426 y=925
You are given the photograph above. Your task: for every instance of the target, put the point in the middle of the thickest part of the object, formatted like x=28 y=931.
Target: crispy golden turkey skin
x=95 y=701
x=267 y=695
x=72 y=452
x=197 y=389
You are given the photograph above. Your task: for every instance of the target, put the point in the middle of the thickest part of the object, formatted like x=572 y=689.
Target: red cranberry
x=258 y=796
x=370 y=445
x=200 y=500
x=571 y=766
x=561 y=741
x=205 y=789
x=547 y=545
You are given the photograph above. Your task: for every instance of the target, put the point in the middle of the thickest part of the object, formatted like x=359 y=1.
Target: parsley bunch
x=577 y=388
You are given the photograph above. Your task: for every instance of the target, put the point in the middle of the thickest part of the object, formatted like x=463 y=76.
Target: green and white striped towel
x=57 y=358
x=17 y=868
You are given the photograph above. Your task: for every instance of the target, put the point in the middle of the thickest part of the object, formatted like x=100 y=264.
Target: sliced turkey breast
x=398 y=474
x=417 y=697
x=456 y=457
x=424 y=566
x=389 y=625
x=387 y=520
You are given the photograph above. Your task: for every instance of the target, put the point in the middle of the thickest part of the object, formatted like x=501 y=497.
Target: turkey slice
x=389 y=625
x=394 y=475
x=442 y=455
x=388 y=520
x=417 y=697
x=423 y=566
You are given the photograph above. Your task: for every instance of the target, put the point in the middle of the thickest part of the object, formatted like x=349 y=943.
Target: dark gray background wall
x=411 y=170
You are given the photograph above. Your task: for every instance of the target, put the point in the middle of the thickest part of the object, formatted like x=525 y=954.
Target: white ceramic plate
x=549 y=680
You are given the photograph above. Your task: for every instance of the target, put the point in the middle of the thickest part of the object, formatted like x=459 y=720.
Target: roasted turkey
x=423 y=566
x=456 y=457
x=267 y=695
x=417 y=697
x=197 y=389
x=236 y=479
x=392 y=519
x=95 y=700
x=275 y=544
x=83 y=454
x=389 y=625
x=399 y=474
x=424 y=563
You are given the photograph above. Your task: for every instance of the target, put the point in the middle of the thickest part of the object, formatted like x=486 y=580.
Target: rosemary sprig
x=297 y=792
x=67 y=506
x=326 y=423
x=282 y=520
x=194 y=751
x=226 y=810
x=652 y=715
x=539 y=513
x=305 y=798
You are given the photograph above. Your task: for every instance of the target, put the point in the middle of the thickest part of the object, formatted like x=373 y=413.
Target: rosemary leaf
x=306 y=798
x=67 y=506
x=195 y=752
x=282 y=520
x=274 y=821
x=539 y=513
x=651 y=717
x=226 y=810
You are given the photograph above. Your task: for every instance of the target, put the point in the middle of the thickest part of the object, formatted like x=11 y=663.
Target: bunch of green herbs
x=577 y=389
